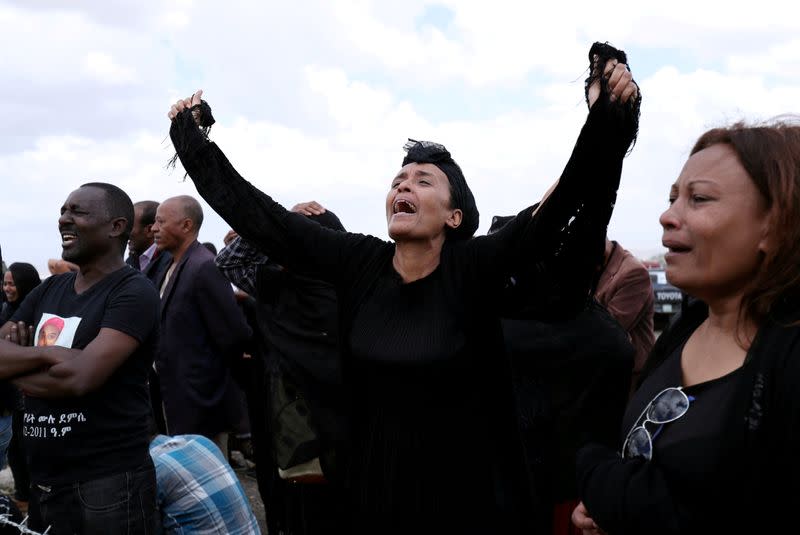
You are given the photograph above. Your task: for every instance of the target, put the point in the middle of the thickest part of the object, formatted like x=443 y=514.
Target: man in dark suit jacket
x=202 y=327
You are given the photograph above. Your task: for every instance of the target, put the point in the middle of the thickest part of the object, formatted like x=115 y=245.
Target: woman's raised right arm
x=290 y=239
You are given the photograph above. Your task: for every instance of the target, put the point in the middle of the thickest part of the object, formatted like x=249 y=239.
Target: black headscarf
x=436 y=154
x=26 y=278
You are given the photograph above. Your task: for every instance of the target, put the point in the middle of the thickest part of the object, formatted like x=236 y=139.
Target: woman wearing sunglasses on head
x=435 y=444
x=711 y=439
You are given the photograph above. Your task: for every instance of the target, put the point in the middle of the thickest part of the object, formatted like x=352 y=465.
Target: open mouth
x=67 y=238
x=674 y=246
x=678 y=249
x=402 y=206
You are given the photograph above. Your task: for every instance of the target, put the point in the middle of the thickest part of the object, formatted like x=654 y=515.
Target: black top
x=421 y=439
x=7 y=310
x=690 y=448
x=741 y=434
x=435 y=439
x=105 y=431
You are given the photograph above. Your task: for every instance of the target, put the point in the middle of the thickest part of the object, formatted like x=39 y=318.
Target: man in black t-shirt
x=87 y=408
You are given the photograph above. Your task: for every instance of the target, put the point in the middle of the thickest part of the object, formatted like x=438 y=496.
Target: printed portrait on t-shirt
x=56 y=331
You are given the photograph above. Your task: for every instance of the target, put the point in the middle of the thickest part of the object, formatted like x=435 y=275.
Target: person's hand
x=20 y=334
x=309 y=208
x=229 y=237
x=57 y=266
x=56 y=355
x=188 y=102
x=620 y=83
x=582 y=521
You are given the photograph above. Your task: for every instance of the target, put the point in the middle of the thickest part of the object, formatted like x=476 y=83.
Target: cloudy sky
x=314 y=99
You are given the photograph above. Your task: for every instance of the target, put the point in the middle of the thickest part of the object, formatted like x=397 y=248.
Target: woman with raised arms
x=434 y=442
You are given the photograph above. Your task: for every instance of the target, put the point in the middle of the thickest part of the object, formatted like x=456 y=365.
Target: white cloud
x=105 y=69
x=779 y=61
x=319 y=106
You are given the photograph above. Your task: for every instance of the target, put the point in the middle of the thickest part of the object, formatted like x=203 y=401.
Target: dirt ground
x=251 y=489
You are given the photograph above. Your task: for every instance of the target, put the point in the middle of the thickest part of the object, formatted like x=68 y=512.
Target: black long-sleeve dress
x=435 y=443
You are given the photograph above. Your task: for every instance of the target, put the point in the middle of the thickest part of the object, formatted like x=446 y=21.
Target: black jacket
x=202 y=329
x=762 y=441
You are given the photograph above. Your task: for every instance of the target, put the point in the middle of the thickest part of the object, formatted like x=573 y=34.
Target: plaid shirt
x=198 y=492
x=239 y=262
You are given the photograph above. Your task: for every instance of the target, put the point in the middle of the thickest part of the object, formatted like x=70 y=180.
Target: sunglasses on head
x=667 y=406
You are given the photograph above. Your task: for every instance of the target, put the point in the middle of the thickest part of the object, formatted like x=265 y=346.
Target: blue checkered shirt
x=198 y=492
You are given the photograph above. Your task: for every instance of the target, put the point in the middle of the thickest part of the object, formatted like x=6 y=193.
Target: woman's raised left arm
x=553 y=251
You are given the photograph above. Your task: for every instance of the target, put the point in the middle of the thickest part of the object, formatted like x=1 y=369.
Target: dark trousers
x=123 y=503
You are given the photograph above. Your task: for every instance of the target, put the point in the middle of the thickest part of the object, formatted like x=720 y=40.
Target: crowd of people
x=438 y=382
